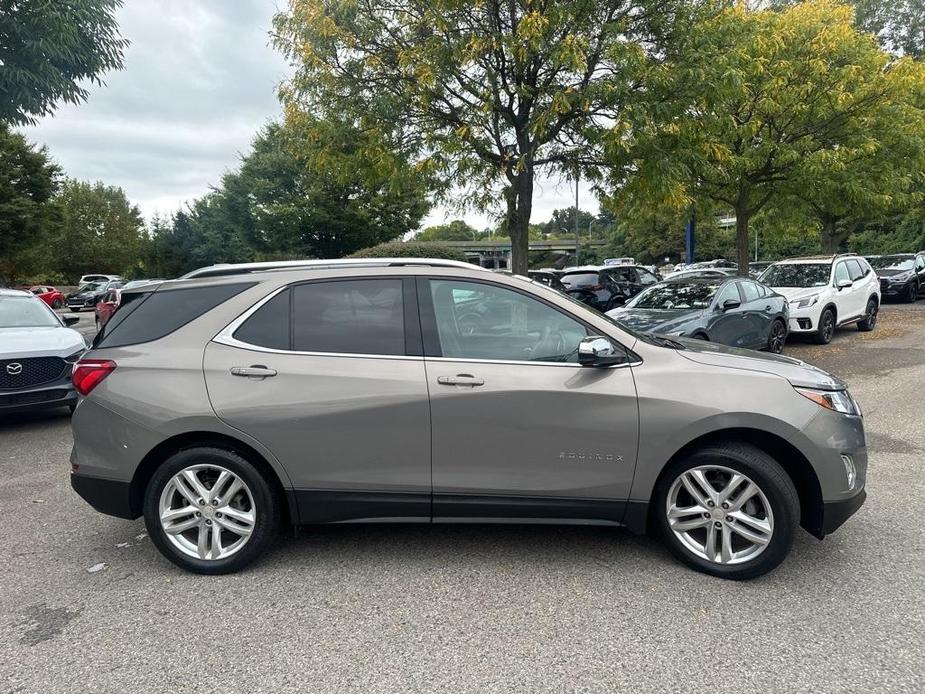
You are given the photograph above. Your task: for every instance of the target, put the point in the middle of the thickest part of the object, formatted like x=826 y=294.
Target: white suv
x=826 y=292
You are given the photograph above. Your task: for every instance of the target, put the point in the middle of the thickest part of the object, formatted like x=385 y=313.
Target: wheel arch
x=788 y=456
x=195 y=439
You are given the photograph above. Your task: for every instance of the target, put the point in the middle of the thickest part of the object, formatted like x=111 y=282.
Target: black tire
x=869 y=321
x=777 y=336
x=72 y=408
x=701 y=336
x=75 y=310
x=57 y=303
x=773 y=482
x=826 y=330
x=267 y=508
x=911 y=294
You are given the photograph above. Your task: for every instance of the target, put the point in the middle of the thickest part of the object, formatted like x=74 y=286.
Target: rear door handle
x=461 y=380
x=253 y=371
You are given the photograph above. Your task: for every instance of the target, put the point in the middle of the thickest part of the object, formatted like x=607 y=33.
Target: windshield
x=797 y=275
x=892 y=262
x=91 y=287
x=676 y=295
x=25 y=312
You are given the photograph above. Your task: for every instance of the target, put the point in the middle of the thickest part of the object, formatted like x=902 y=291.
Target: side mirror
x=843 y=284
x=71 y=320
x=598 y=351
x=730 y=304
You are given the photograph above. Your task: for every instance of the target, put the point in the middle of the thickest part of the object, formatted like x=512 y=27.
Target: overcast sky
x=200 y=79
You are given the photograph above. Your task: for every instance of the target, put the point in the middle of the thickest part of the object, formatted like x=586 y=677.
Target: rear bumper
x=107 y=496
x=835 y=513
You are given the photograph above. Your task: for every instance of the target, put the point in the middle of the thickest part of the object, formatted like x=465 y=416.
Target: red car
x=106 y=306
x=49 y=295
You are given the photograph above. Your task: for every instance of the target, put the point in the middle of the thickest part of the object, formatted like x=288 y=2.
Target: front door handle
x=461 y=380
x=253 y=371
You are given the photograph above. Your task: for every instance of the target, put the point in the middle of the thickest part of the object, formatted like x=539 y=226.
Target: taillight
x=89 y=373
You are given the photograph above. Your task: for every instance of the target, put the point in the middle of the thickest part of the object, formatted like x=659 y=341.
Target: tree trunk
x=831 y=237
x=742 y=244
x=519 y=198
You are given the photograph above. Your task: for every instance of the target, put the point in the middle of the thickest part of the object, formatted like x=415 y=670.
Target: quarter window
x=482 y=321
x=269 y=325
x=349 y=316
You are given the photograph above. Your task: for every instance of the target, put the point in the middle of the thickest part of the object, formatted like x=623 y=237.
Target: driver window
x=841 y=273
x=751 y=291
x=920 y=263
x=482 y=321
x=730 y=291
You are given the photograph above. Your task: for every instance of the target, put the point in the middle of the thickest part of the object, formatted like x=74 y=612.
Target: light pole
x=577 y=240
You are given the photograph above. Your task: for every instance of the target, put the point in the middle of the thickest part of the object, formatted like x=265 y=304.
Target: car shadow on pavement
x=25 y=421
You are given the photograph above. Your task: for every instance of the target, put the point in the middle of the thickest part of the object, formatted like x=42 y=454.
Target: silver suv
x=221 y=405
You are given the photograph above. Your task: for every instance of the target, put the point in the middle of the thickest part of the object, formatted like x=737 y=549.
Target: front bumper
x=58 y=393
x=803 y=320
x=888 y=289
x=835 y=513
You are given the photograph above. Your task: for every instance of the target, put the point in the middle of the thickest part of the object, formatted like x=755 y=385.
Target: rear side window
x=269 y=325
x=144 y=317
x=349 y=317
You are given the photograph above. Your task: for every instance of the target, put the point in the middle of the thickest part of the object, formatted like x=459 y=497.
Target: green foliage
x=753 y=102
x=28 y=180
x=478 y=95
x=101 y=231
x=457 y=230
x=48 y=48
x=410 y=249
x=282 y=203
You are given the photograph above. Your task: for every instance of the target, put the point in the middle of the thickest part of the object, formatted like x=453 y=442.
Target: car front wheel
x=728 y=510
x=777 y=337
x=826 y=327
x=210 y=511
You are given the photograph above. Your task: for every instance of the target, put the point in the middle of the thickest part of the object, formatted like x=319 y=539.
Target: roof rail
x=844 y=255
x=228 y=269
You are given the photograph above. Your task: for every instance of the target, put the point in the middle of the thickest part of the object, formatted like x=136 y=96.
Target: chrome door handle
x=253 y=371
x=460 y=380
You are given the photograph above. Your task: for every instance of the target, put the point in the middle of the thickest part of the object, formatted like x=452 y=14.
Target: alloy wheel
x=828 y=326
x=207 y=512
x=778 y=337
x=719 y=514
x=872 y=310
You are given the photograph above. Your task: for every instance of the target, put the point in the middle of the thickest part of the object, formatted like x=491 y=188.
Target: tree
x=47 y=48
x=562 y=223
x=28 y=180
x=101 y=231
x=457 y=230
x=753 y=102
x=481 y=95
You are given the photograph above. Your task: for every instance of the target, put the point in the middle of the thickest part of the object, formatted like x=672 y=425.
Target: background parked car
x=37 y=351
x=702 y=273
x=87 y=279
x=736 y=312
x=88 y=295
x=902 y=276
x=547 y=277
x=825 y=292
x=604 y=288
x=49 y=295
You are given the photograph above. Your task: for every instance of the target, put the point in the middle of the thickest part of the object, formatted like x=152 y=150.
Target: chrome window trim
x=226 y=337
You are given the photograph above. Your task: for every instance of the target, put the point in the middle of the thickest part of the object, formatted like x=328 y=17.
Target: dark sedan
x=736 y=311
x=902 y=276
x=547 y=277
x=87 y=296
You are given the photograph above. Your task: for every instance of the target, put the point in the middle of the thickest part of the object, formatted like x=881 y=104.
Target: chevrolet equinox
x=223 y=404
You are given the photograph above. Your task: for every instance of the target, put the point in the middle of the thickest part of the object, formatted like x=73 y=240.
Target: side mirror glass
x=599 y=351
x=844 y=283
x=730 y=304
x=71 y=320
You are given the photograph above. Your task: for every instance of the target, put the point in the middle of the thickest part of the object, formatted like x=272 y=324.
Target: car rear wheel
x=728 y=510
x=777 y=337
x=210 y=511
x=57 y=303
x=826 y=329
x=869 y=322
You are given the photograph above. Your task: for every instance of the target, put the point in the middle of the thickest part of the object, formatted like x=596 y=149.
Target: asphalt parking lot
x=87 y=604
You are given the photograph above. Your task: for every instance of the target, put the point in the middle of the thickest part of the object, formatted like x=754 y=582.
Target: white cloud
x=200 y=79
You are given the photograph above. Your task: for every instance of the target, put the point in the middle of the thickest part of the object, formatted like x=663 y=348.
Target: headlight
x=835 y=400
x=807 y=301
x=899 y=279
